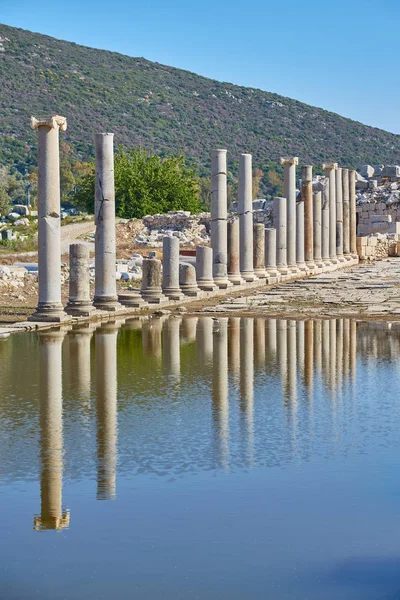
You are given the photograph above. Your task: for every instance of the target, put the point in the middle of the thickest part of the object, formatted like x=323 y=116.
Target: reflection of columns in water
x=51 y=433
x=171 y=346
x=247 y=379
x=106 y=403
x=300 y=346
x=325 y=351
x=318 y=347
x=339 y=353
x=281 y=338
x=188 y=329
x=220 y=403
x=353 y=349
x=332 y=345
x=291 y=362
x=309 y=355
x=79 y=359
x=270 y=335
x=234 y=346
x=346 y=349
x=259 y=342
x=204 y=340
x=151 y=337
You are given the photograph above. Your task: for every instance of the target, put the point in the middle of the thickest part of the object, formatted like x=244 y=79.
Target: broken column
x=346 y=214
x=204 y=276
x=49 y=241
x=234 y=252
x=307 y=197
x=339 y=215
x=270 y=252
x=317 y=216
x=325 y=221
x=259 y=250
x=301 y=265
x=151 y=281
x=330 y=173
x=245 y=209
x=105 y=286
x=170 y=270
x=218 y=223
x=279 y=212
x=187 y=279
x=79 y=302
x=289 y=164
x=353 y=218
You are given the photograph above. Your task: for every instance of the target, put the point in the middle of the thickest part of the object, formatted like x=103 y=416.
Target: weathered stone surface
x=204 y=268
x=259 y=250
x=187 y=279
x=79 y=302
x=170 y=277
x=151 y=281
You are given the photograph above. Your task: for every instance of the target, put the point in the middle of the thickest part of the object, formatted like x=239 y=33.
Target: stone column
x=204 y=256
x=49 y=241
x=307 y=197
x=52 y=515
x=151 y=281
x=301 y=265
x=325 y=221
x=317 y=218
x=346 y=214
x=79 y=302
x=289 y=164
x=219 y=202
x=330 y=173
x=259 y=250
x=106 y=408
x=353 y=219
x=279 y=213
x=234 y=252
x=170 y=268
x=339 y=216
x=270 y=252
x=187 y=279
x=105 y=292
x=245 y=209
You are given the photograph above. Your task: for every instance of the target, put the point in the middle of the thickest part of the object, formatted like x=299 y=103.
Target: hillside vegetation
x=164 y=110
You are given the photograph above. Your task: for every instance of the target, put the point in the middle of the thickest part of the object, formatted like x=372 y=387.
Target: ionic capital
x=289 y=160
x=330 y=166
x=52 y=122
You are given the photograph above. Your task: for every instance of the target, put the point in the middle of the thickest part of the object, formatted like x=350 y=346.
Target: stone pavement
x=365 y=291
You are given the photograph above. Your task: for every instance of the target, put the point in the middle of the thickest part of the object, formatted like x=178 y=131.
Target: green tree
x=274 y=183
x=146 y=184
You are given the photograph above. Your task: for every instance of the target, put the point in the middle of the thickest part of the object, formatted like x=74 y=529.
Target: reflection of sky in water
x=243 y=458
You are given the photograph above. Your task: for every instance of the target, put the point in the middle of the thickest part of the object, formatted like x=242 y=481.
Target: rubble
x=191 y=230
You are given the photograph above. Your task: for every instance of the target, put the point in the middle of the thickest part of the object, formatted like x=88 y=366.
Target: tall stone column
x=52 y=515
x=79 y=302
x=170 y=270
x=270 y=252
x=245 y=209
x=234 y=252
x=289 y=164
x=325 y=222
x=346 y=214
x=353 y=218
x=330 y=173
x=49 y=240
x=259 y=250
x=105 y=286
x=339 y=215
x=219 y=242
x=301 y=265
x=307 y=197
x=317 y=229
x=279 y=214
x=204 y=269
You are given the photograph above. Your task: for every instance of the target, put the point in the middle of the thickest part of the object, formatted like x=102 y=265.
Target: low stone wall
x=378 y=218
x=370 y=248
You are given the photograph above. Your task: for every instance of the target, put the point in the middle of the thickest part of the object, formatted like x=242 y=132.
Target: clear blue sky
x=340 y=55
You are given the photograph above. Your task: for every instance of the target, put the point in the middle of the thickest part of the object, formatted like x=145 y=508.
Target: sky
x=339 y=55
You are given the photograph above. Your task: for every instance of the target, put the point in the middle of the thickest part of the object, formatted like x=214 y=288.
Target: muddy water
x=196 y=458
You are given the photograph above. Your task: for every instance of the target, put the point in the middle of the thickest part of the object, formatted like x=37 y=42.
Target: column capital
x=330 y=166
x=289 y=160
x=54 y=122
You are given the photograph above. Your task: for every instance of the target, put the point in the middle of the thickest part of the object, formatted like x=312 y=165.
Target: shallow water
x=195 y=458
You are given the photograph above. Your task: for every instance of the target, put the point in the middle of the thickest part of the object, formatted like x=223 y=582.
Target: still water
x=190 y=458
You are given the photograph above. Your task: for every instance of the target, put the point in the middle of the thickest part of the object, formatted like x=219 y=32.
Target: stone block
x=381 y=218
x=367 y=171
x=391 y=171
x=372 y=241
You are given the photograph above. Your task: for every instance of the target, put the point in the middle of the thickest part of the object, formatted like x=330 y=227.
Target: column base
x=132 y=300
x=207 y=286
x=192 y=291
x=107 y=303
x=248 y=276
x=272 y=273
x=50 y=313
x=333 y=260
x=292 y=269
x=283 y=270
x=80 y=309
x=302 y=267
x=173 y=293
x=260 y=273
x=341 y=258
x=348 y=257
x=222 y=282
x=235 y=279
x=153 y=297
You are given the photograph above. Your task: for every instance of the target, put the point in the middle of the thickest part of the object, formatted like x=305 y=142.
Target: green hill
x=164 y=109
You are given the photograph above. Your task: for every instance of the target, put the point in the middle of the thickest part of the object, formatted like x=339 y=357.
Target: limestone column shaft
x=339 y=215
x=49 y=240
x=259 y=250
x=353 y=218
x=105 y=292
x=79 y=302
x=234 y=252
x=290 y=195
x=317 y=229
x=151 y=281
x=219 y=242
x=170 y=268
x=330 y=173
x=245 y=209
x=346 y=214
x=301 y=265
x=187 y=279
x=270 y=252
x=204 y=276
x=280 y=220
x=325 y=222
x=307 y=197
